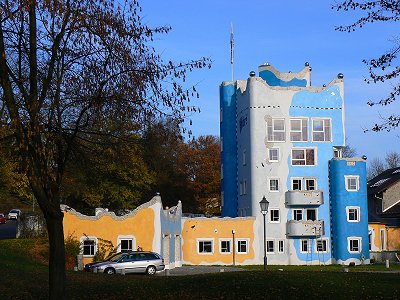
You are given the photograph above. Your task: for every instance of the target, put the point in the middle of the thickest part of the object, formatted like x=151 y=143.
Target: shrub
x=105 y=248
x=72 y=249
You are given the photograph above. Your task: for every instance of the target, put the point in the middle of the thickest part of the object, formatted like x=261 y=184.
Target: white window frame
x=281 y=246
x=305 y=150
x=303 y=135
x=246 y=243
x=357 y=209
x=349 y=188
x=300 y=179
x=267 y=248
x=310 y=179
x=271 y=136
x=88 y=238
x=220 y=246
x=270 y=156
x=270 y=215
x=294 y=214
x=270 y=186
x=337 y=152
x=327 y=136
x=354 y=238
x=202 y=240
x=303 y=183
x=305 y=242
x=323 y=241
x=305 y=214
x=120 y=238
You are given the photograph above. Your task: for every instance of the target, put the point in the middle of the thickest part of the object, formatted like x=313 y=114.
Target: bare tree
x=384 y=68
x=66 y=69
x=348 y=150
x=392 y=160
x=376 y=166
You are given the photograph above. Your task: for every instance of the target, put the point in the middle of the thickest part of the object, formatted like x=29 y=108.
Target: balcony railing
x=305 y=228
x=293 y=198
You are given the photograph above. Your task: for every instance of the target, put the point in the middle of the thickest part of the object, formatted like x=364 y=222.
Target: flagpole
x=232 y=53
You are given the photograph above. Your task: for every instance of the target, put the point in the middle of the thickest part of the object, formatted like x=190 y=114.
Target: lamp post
x=233 y=246
x=264 y=210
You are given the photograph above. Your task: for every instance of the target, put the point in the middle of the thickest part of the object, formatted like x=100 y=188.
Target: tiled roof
x=383 y=181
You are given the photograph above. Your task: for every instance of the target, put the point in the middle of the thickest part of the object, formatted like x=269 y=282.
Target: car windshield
x=14 y=211
x=115 y=257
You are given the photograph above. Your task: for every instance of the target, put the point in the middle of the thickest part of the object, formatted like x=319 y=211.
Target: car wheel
x=151 y=270
x=109 y=271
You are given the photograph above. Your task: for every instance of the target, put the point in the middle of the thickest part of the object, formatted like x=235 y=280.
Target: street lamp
x=264 y=210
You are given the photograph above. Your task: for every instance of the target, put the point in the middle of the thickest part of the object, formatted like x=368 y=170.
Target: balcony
x=304 y=228
x=293 y=198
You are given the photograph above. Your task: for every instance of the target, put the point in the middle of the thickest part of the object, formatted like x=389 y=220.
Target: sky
x=286 y=34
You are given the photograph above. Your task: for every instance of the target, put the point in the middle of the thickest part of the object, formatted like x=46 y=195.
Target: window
x=274 y=185
x=205 y=246
x=311 y=184
x=354 y=244
x=322 y=246
x=297 y=214
x=353 y=213
x=126 y=243
x=303 y=157
x=270 y=246
x=321 y=130
x=305 y=246
x=243 y=187
x=281 y=246
x=337 y=152
x=276 y=130
x=88 y=245
x=273 y=154
x=244 y=158
x=274 y=215
x=383 y=239
x=225 y=246
x=242 y=246
x=298 y=130
x=352 y=183
x=297 y=184
x=308 y=184
x=311 y=214
x=222 y=171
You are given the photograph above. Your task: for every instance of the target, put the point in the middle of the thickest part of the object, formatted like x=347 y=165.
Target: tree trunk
x=57 y=276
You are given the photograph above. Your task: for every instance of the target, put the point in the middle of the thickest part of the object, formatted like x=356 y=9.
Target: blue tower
x=349 y=210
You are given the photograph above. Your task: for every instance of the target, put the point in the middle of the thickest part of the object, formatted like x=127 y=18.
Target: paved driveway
x=194 y=270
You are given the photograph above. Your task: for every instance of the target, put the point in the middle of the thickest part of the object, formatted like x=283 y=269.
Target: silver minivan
x=129 y=262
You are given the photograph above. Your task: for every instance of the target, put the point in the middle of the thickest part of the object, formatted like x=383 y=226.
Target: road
x=8 y=230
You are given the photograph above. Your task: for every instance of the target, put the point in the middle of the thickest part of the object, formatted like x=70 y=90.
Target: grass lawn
x=22 y=277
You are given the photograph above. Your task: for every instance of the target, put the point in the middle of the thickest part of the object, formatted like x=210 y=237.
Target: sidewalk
x=194 y=270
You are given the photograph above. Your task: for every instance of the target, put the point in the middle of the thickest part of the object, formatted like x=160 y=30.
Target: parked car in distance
x=3 y=219
x=14 y=214
x=129 y=262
